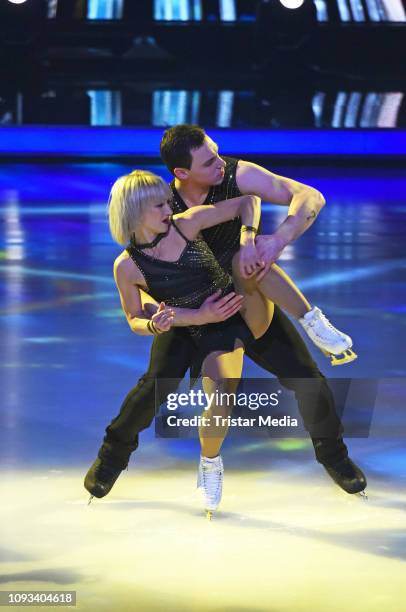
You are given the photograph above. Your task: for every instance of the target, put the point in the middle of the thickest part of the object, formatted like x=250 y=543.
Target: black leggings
x=281 y=351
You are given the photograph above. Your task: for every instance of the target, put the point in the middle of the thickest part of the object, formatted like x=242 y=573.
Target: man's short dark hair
x=177 y=144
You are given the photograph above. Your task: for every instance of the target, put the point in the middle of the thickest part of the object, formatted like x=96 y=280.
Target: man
x=203 y=177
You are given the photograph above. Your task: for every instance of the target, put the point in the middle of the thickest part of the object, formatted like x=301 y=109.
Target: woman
x=167 y=259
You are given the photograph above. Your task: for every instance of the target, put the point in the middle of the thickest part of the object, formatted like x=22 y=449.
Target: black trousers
x=281 y=351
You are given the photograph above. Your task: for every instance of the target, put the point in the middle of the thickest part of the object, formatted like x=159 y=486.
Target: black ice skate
x=347 y=475
x=100 y=478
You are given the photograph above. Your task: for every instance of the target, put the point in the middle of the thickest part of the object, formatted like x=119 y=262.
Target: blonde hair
x=130 y=196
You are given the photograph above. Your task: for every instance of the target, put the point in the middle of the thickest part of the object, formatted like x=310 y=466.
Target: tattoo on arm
x=311 y=216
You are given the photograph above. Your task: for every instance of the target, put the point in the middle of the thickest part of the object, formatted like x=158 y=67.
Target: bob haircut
x=130 y=196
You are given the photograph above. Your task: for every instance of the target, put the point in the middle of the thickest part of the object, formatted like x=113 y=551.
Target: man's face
x=207 y=167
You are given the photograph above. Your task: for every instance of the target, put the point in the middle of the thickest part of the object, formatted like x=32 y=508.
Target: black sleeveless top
x=184 y=283
x=223 y=239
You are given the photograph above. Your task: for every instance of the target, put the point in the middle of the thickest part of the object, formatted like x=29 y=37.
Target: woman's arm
x=139 y=308
x=126 y=277
x=197 y=218
x=248 y=207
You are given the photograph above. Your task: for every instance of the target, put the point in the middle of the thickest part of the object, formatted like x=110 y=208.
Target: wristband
x=249 y=228
x=153 y=328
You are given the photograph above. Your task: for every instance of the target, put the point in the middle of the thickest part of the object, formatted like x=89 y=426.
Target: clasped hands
x=257 y=256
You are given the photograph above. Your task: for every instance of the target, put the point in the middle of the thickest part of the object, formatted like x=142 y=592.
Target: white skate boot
x=327 y=338
x=210 y=481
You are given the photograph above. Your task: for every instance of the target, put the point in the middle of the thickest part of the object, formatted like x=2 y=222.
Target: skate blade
x=209 y=515
x=363 y=495
x=345 y=357
x=90 y=500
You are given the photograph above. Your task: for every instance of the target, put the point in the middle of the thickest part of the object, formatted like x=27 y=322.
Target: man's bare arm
x=304 y=202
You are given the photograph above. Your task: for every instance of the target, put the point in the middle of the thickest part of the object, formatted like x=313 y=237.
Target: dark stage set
x=314 y=90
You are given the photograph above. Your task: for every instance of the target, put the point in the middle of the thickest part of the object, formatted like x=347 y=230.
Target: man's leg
x=171 y=355
x=282 y=352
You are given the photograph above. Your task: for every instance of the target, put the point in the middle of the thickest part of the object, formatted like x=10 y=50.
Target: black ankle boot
x=101 y=477
x=347 y=475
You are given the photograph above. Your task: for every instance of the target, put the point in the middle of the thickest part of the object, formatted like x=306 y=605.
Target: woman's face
x=157 y=217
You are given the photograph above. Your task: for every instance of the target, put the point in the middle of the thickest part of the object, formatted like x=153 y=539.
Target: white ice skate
x=327 y=338
x=210 y=481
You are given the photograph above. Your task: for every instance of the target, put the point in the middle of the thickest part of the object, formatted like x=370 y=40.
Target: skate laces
x=318 y=315
x=210 y=477
x=322 y=317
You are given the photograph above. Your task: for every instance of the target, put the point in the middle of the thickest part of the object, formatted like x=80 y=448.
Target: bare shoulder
x=257 y=180
x=186 y=221
x=247 y=172
x=244 y=166
x=126 y=271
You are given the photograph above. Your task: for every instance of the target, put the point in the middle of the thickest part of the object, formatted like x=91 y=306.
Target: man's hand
x=163 y=318
x=250 y=261
x=215 y=309
x=269 y=249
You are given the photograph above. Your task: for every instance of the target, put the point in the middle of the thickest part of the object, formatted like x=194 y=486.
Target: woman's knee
x=221 y=385
x=219 y=367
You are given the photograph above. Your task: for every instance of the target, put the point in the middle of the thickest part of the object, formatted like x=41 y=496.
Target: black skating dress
x=186 y=283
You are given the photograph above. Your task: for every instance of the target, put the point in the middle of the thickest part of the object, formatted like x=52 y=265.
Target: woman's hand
x=163 y=318
x=249 y=260
x=215 y=308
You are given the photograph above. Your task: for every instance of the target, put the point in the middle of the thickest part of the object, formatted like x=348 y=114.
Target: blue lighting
x=228 y=10
x=101 y=142
x=334 y=278
x=58 y=274
x=105 y=9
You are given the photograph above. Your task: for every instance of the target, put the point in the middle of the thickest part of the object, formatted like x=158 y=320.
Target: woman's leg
x=221 y=374
x=257 y=309
x=257 y=304
x=280 y=288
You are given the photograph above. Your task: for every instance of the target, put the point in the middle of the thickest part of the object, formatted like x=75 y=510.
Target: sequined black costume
x=223 y=239
x=186 y=283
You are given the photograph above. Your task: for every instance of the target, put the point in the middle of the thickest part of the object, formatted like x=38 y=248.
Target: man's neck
x=191 y=193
